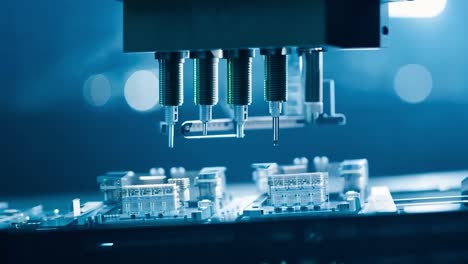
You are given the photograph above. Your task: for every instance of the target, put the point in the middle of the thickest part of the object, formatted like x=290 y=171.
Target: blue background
x=53 y=141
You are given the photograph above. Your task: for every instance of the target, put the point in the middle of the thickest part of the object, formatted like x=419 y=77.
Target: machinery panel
x=167 y=25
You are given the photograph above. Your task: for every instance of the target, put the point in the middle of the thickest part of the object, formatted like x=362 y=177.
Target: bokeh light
x=97 y=90
x=413 y=83
x=142 y=90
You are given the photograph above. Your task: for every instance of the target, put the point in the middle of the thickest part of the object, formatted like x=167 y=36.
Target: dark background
x=52 y=140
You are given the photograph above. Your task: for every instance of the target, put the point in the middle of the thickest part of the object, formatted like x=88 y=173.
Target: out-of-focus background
x=73 y=105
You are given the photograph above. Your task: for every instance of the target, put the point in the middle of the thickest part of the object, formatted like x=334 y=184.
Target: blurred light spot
x=413 y=83
x=417 y=8
x=97 y=90
x=142 y=90
x=107 y=244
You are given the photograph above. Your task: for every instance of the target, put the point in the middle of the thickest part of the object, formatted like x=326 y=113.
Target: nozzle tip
x=205 y=128
x=170 y=136
x=276 y=130
x=240 y=131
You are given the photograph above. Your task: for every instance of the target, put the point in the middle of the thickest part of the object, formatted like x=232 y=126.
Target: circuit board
x=187 y=197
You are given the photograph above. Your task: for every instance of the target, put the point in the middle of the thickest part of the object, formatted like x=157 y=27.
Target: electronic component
x=356 y=176
x=182 y=188
x=110 y=184
x=354 y=200
x=261 y=173
x=298 y=190
x=321 y=164
x=179 y=172
x=300 y=165
x=211 y=185
x=263 y=170
x=76 y=207
x=343 y=206
x=380 y=201
x=151 y=199
x=157 y=171
x=286 y=190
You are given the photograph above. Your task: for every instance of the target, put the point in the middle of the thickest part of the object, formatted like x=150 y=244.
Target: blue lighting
x=107 y=244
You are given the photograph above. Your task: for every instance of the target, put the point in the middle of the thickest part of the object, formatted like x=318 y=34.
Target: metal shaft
x=171 y=117
x=171 y=92
x=239 y=90
x=206 y=83
x=275 y=84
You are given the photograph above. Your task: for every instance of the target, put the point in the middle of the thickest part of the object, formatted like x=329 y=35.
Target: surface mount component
x=356 y=176
x=151 y=199
x=182 y=188
x=211 y=185
x=110 y=185
x=298 y=190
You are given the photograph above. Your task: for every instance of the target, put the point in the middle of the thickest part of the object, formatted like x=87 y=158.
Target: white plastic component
x=321 y=163
x=356 y=176
x=76 y=207
x=300 y=165
x=144 y=180
x=182 y=188
x=211 y=182
x=157 y=171
x=380 y=201
x=301 y=189
x=261 y=173
x=153 y=199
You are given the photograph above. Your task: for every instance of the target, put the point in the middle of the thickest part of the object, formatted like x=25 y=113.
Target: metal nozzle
x=240 y=116
x=170 y=135
x=275 y=112
x=275 y=131
x=206 y=115
x=312 y=81
x=276 y=84
x=206 y=83
x=171 y=93
x=171 y=117
x=239 y=92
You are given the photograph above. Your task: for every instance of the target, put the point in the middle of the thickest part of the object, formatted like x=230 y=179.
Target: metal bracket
x=225 y=127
